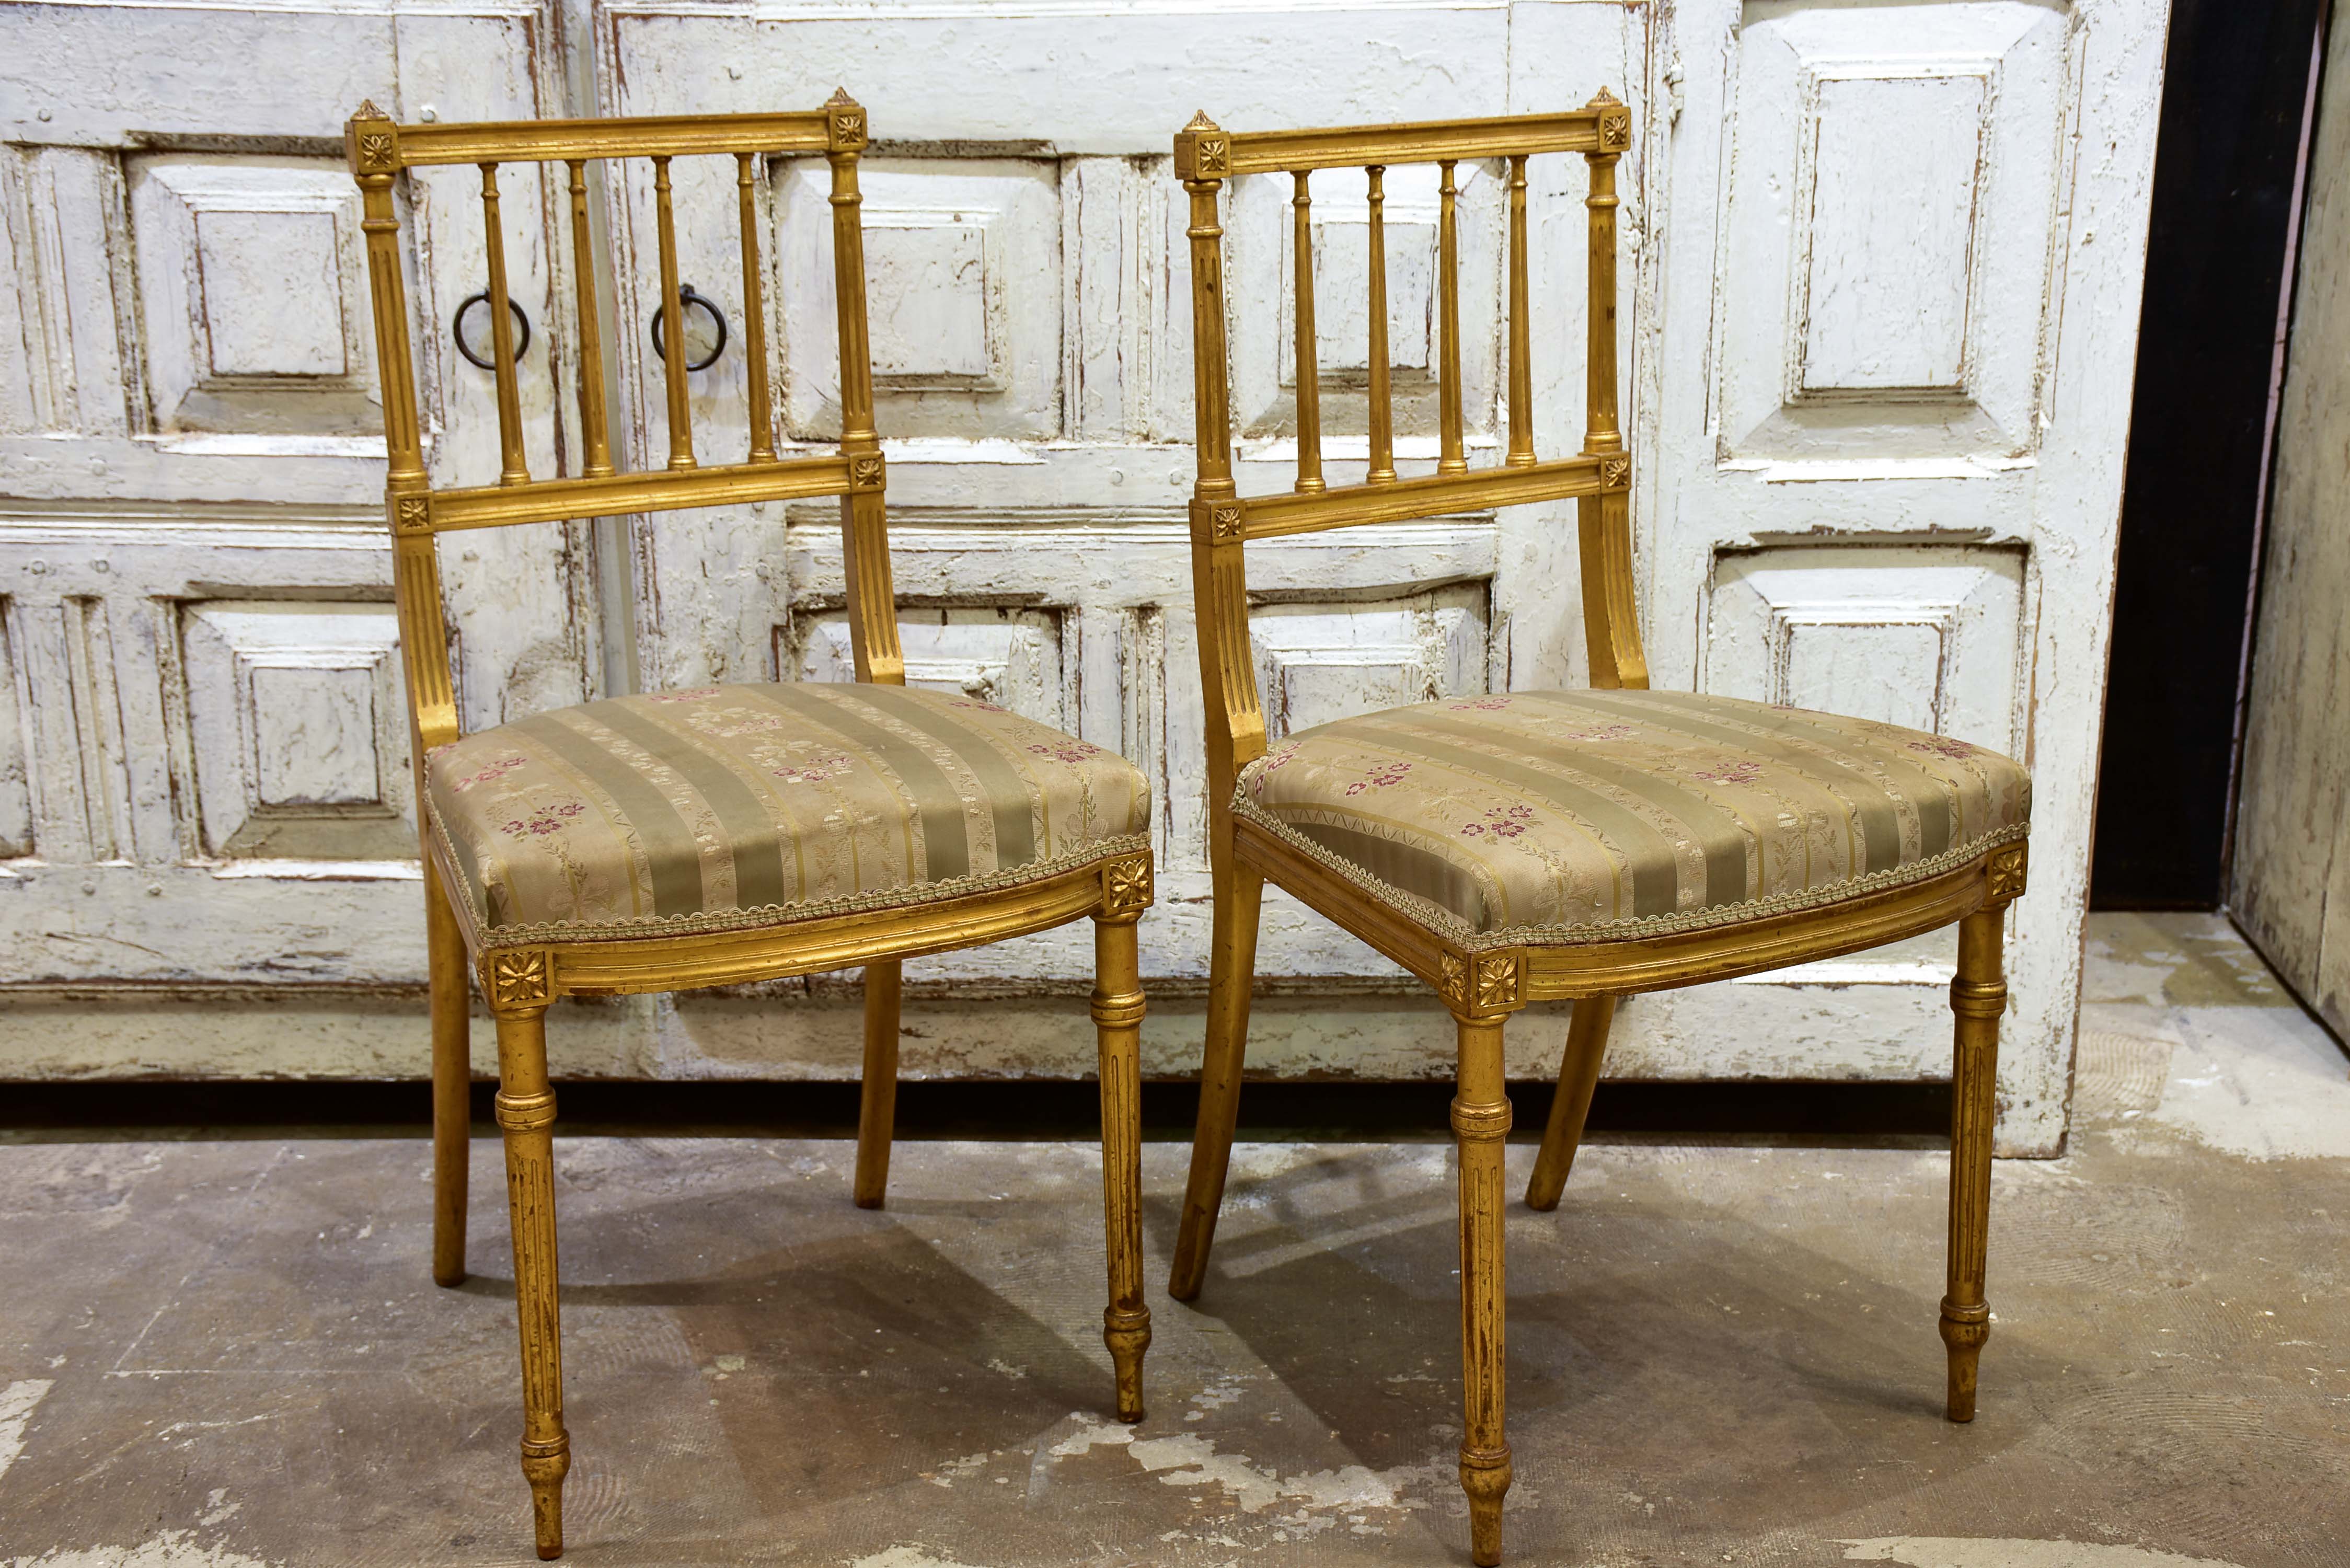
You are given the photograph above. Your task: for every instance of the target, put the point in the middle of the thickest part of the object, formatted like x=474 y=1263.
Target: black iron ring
x=686 y=300
x=457 y=331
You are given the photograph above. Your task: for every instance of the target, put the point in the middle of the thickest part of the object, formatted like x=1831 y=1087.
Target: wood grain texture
x=1570 y=1105
x=1481 y=1127
x=1240 y=891
x=2289 y=873
x=673 y=316
x=1308 y=369
x=526 y=1113
x=453 y=1077
x=1118 y=1010
x=1978 y=997
x=877 y=1103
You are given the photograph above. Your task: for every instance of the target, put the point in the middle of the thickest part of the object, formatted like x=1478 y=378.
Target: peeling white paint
x=16 y=1402
x=1189 y=1459
x=1958 y=1551
x=907 y=1557
x=173 y=1549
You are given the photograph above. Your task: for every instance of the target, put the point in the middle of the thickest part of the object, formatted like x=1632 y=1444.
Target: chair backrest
x=380 y=150
x=1222 y=521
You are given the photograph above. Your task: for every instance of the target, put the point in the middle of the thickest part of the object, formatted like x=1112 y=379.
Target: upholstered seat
x=728 y=806
x=1559 y=816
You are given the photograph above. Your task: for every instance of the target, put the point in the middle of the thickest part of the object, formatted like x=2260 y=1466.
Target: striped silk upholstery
x=1562 y=817
x=732 y=806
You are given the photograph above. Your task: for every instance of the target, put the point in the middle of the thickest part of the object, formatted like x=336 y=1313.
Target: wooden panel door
x=204 y=768
x=1892 y=359
x=1029 y=287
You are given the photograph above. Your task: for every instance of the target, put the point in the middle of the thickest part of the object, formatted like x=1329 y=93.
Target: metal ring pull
x=457 y=331
x=686 y=300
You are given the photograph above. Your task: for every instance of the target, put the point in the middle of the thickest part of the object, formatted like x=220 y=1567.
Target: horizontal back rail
x=1358 y=147
x=554 y=140
x=615 y=494
x=1432 y=496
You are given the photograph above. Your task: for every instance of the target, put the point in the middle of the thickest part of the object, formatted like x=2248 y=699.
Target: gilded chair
x=728 y=834
x=1548 y=844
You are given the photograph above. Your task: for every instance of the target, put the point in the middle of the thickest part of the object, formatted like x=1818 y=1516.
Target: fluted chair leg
x=1578 y=1077
x=1978 y=997
x=1232 y=971
x=877 y=1109
x=1117 y=1008
x=1481 y=1126
x=453 y=1076
x=525 y=1108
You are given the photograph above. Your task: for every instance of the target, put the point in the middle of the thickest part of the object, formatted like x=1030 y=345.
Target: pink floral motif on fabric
x=1277 y=758
x=697 y=695
x=1381 y=776
x=1065 y=751
x=1501 y=822
x=545 y=819
x=489 y=774
x=815 y=771
x=1943 y=746
x=1479 y=705
x=1743 y=772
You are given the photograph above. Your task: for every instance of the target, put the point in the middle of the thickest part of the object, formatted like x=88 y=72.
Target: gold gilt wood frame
x=520 y=980
x=1482 y=983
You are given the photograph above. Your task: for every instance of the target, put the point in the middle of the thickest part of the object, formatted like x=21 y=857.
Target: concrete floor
x=227 y=1355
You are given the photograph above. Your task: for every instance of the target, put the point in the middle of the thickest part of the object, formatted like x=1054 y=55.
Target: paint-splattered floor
x=227 y=1355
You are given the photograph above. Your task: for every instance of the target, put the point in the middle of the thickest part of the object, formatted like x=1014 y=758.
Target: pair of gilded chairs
x=1505 y=849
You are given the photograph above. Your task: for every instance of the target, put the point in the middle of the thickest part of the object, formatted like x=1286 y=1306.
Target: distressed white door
x=1891 y=354
x=1882 y=268
x=204 y=770
x=1031 y=336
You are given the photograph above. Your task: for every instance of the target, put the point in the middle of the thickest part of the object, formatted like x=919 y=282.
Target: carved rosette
x=867 y=471
x=1479 y=983
x=1125 y=886
x=1453 y=982
x=1224 y=522
x=2006 y=873
x=1497 y=980
x=378 y=149
x=1615 y=472
x=518 y=979
x=847 y=118
x=1614 y=121
x=1202 y=153
x=411 y=515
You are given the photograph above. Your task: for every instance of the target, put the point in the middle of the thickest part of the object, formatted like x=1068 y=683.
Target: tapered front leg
x=1117 y=1028
x=1232 y=971
x=1480 y=1124
x=877 y=1109
x=526 y=1115
x=453 y=1076
x=1978 y=997
x=1578 y=1077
